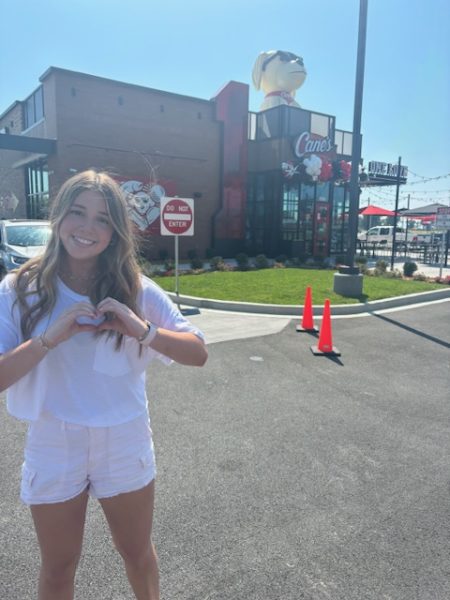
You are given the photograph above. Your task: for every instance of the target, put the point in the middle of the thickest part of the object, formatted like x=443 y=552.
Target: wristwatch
x=149 y=335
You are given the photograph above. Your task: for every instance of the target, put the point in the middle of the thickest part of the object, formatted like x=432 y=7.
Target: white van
x=382 y=235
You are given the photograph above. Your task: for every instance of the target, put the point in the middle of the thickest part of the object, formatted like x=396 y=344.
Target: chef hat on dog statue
x=278 y=74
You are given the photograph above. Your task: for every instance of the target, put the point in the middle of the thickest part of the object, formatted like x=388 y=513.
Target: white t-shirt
x=84 y=380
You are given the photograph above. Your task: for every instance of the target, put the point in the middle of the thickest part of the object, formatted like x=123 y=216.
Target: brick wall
x=139 y=133
x=12 y=180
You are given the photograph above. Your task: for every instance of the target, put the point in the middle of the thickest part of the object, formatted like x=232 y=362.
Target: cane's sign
x=309 y=143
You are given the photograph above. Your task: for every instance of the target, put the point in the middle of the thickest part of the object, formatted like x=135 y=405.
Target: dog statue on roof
x=279 y=74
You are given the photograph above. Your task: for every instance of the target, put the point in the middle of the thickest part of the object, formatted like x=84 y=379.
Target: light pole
x=397 y=193
x=349 y=281
x=356 y=144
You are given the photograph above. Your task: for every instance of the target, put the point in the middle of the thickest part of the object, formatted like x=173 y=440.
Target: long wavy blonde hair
x=118 y=271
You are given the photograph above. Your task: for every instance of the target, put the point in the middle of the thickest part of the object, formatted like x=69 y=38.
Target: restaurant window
x=289 y=213
x=33 y=108
x=307 y=196
x=339 y=220
x=37 y=190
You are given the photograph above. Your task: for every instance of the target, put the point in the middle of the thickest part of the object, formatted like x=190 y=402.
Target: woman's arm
x=184 y=348
x=18 y=362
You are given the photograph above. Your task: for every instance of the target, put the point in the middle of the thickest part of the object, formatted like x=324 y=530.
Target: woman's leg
x=130 y=517
x=59 y=529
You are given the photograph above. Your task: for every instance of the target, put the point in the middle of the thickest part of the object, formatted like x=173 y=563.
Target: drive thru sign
x=177 y=216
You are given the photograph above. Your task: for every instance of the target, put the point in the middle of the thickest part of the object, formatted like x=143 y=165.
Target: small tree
x=380 y=267
x=261 y=262
x=216 y=263
x=409 y=268
x=281 y=258
x=242 y=261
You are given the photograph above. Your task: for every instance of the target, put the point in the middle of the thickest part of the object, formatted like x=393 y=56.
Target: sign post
x=177 y=218
x=443 y=221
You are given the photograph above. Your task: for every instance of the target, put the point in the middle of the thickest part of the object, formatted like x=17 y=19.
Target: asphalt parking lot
x=283 y=476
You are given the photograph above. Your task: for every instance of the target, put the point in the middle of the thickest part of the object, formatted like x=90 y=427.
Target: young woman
x=78 y=327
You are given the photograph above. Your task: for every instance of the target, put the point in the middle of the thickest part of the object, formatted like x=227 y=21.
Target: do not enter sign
x=177 y=216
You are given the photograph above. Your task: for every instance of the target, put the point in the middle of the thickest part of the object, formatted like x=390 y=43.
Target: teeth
x=83 y=241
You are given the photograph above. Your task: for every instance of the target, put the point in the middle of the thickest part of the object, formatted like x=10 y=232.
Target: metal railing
x=420 y=252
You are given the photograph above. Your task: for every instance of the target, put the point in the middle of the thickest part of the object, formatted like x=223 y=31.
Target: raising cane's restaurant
x=298 y=198
x=272 y=182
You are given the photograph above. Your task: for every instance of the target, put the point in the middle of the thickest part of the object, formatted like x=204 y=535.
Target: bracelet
x=45 y=343
x=149 y=335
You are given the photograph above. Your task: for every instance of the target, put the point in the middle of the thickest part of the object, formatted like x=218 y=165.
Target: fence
x=424 y=253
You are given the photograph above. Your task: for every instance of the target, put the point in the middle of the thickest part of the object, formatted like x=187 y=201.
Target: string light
x=425 y=178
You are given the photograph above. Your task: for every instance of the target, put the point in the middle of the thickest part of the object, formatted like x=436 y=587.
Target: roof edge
x=52 y=69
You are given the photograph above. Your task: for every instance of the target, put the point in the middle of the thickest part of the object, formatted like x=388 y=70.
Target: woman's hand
x=66 y=324
x=124 y=320
x=183 y=347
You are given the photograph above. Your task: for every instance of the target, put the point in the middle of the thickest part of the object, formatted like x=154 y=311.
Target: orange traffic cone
x=325 y=345
x=307 y=317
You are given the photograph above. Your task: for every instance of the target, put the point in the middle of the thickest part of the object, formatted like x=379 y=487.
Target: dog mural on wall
x=144 y=202
x=278 y=74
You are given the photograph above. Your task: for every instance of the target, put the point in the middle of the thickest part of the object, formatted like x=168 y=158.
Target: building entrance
x=321 y=228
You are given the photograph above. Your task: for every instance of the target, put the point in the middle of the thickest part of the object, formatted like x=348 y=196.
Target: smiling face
x=86 y=230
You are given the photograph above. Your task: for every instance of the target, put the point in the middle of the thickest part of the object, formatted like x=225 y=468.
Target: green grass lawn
x=286 y=286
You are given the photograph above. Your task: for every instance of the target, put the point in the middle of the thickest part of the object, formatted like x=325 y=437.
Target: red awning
x=372 y=211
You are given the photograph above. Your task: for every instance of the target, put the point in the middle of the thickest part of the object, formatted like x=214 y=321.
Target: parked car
x=20 y=240
x=382 y=235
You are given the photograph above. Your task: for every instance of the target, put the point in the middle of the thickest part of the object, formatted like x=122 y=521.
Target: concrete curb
x=296 y=309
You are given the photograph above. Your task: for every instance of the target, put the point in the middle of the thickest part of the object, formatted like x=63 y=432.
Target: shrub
x=409 y=267
x=216 y=262
x=210 y=253
x=395 y=274
x=242 y=261
x=361 y=260
x=281 y=258
x=445 y=280
x=420 y=277
x=261 y=262
x=380 y=267
x=196 y=263
x=169 y=264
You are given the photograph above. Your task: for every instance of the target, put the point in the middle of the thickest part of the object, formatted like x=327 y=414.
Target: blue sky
x=195 y=47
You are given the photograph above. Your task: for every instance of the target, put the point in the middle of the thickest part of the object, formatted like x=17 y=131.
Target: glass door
x=321 y=228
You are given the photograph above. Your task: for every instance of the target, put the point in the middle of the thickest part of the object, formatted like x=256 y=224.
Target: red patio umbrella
x=376 y=211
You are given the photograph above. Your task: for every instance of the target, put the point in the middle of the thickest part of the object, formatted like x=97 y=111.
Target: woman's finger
x=84 y=328
x=108 y=302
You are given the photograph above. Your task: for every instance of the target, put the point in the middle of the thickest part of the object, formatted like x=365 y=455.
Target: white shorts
x=63 y=459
